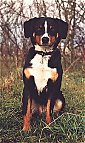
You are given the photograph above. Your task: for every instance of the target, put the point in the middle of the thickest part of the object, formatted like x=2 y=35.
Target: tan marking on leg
x=27 y=73
x=26 y=120
x=54 y=76
x=48 y=116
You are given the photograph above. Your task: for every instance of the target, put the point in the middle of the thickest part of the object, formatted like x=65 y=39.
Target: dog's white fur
x=40 y=69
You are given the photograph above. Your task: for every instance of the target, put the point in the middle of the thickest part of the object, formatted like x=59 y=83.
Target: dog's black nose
x=45 y=40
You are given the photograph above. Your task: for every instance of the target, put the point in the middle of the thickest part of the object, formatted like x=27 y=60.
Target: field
x=69 y=127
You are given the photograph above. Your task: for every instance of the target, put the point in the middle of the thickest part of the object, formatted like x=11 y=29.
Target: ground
x=66 y=128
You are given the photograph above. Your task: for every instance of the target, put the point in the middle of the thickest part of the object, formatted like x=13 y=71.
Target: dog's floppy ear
x=62 y=28
x=29 y=27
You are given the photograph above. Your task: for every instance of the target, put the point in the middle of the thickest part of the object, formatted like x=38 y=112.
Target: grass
x=69 y=127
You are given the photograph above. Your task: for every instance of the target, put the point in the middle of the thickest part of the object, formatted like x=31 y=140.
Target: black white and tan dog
x=42 y=73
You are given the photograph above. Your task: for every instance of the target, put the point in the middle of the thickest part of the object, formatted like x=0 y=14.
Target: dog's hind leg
x=59 y=103
x=26 y=122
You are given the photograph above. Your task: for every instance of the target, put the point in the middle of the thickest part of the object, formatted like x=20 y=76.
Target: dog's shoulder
x=29 y=56
x=31 y=53
x=57 y=52
x=56 y=56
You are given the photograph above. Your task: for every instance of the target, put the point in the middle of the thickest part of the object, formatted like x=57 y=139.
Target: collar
x=43 y=53
x=43 y=50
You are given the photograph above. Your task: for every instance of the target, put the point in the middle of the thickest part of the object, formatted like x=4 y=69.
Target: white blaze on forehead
x=45 y=34
x=45 y=25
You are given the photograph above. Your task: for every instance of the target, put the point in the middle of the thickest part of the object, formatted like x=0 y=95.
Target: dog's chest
x=41 y=71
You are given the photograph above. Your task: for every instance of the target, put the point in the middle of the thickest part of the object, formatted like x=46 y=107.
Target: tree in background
x=13 y=45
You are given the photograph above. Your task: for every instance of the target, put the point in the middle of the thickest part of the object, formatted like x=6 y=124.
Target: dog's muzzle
x=45 y=40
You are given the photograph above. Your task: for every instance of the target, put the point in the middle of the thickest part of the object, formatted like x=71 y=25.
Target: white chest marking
x=41 y=71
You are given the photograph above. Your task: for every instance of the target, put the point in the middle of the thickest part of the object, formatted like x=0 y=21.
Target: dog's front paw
x=27 y=73
x=26 y=128
x=48 y=119
x=54 y=76
x=26 y=124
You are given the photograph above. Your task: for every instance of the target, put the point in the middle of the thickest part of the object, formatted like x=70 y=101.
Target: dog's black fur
x=53 y=89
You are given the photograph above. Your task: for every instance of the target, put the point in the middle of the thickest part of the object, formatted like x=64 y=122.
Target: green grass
x=67 y=128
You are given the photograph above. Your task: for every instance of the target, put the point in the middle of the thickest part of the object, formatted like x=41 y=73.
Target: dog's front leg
x=26 y=122
x=54 y=76
x=48 y=111
x=27 y=73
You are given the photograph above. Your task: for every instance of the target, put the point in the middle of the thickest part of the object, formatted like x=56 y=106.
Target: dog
x=42 y=72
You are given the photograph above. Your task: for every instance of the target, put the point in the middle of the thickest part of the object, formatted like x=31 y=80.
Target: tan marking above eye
x=57 y=35
x=33 y=34
x=40 y=26
x=50 y=27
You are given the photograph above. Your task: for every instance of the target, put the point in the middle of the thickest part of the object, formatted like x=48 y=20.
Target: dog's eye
x=39 y=30
x=52 y=30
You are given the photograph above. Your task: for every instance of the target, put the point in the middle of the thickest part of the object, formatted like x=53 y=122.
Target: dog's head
x=45 y=31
